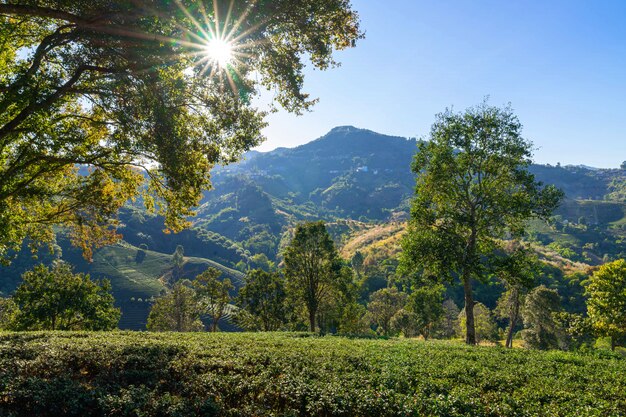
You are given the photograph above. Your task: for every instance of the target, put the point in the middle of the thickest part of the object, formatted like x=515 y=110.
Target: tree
x=516 y=269
x=213 y=295
x=426 y=303
x=176 y=311
x=140 y=256
x=606 y=305
x=57 y=299
x=96 y=96
x=312 y=267
x=353 y=320
x=405 y=322
x=623 y=165
x=8 y=313
x=448 y=325
x=357 y=263
x=486 y=328
x=383 y=305
x=473 y=188
x=542 y=330
x=178 y=261
x=263 y=297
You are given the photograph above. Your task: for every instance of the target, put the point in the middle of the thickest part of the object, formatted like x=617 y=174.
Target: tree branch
x=60 y=92
x=37 y=11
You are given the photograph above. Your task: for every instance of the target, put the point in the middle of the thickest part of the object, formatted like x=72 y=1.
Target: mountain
x=360 y=183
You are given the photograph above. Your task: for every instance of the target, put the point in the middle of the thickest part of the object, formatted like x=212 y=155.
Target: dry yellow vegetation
x=376 y=243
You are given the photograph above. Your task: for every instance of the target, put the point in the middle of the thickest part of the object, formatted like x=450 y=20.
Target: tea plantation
x=239 y=374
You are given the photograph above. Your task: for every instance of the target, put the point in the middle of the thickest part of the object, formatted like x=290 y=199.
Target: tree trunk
x=613 y=343
x=513 y=318
x=470 y=333
x=312 y=320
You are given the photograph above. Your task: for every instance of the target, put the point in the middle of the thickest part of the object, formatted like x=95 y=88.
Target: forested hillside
x=359 y=182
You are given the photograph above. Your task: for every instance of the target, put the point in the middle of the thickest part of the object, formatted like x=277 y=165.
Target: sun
x=220 y=51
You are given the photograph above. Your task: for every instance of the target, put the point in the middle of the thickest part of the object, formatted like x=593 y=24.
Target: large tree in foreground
x=97 y=95
x=312 y=268
x=473 y=188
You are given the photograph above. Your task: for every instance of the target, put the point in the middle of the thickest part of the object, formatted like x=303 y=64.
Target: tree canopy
x=473 y=189
x=263 y=298
x=213 y=295
x=96 y=97
x=177 y=311
x=312 y=267
x=607 y=300
x=56 y=299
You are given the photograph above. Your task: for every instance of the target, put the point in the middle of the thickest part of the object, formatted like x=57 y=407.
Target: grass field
x=243 y=374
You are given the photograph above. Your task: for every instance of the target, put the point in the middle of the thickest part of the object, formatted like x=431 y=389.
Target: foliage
x=111 y=87
x=57 y=299
x=448 y=325
x=486 y=328
x=212 y=295
x=176 y=311
x=357 y=262
x=426 y=303
x=404 y=322
x=8 y=313
x=383 y=306
x=577 y=330
x=353 y=320
x=607 y=300
x=226 y=374
x=312 y=267
x=263 y=298
x=542 y=330
x=509 y=308
x=178 y=260
x=517 y=268
x=473 y=187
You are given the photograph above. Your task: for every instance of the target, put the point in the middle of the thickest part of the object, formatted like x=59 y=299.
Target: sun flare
x=220 y=52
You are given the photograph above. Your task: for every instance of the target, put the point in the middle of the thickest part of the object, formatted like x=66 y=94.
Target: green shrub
x=239 y=374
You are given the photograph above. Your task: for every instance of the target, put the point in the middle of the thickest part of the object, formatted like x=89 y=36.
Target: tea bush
x=274 y=374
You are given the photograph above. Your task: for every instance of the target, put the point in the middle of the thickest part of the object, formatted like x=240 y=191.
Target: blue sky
x=561 y=64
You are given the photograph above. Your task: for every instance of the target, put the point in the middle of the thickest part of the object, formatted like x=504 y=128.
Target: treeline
x=315 y=290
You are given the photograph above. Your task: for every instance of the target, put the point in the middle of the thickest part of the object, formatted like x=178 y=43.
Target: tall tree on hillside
x=607 y=300
x=94 y=92
x=178 y=261
x=213 y=295
x=263 y=298
x=57 y=299
x=473 y=188
x=312 y=267
x=357 y=263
